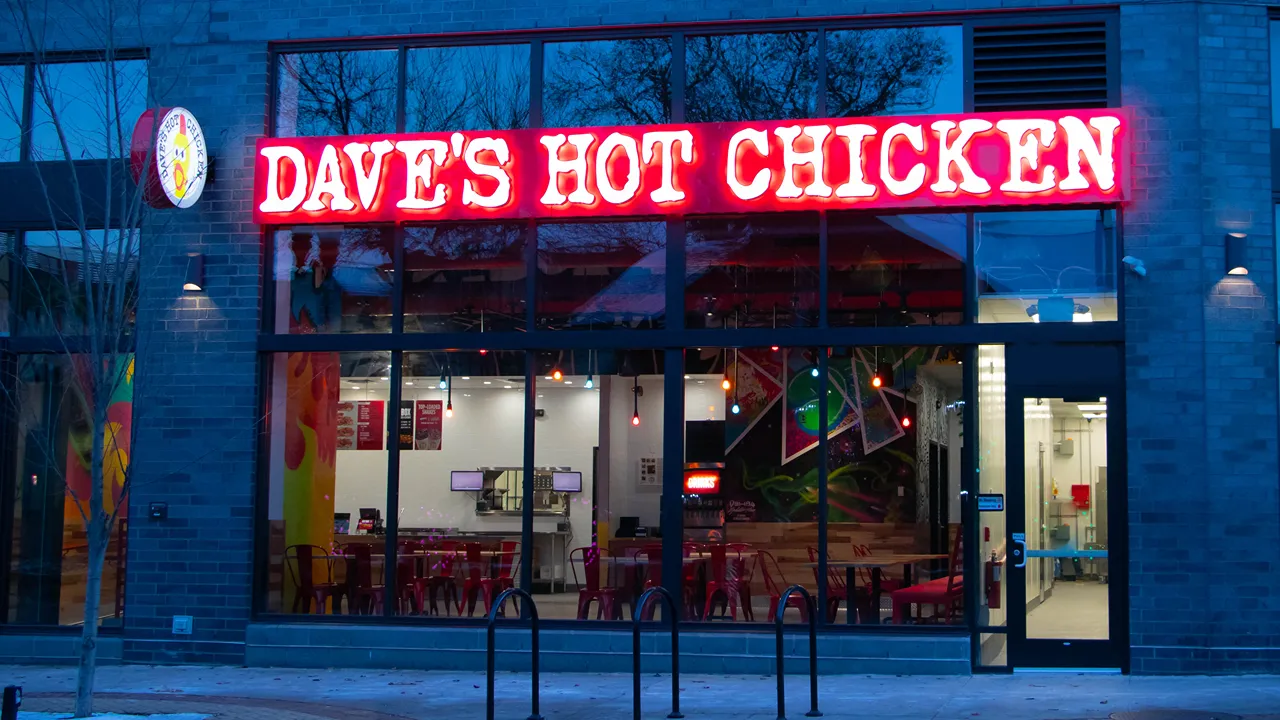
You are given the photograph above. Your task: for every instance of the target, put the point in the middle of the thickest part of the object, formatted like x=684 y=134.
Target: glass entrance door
x=1064 y=516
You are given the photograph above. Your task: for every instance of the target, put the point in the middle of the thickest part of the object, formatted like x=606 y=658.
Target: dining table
x=876 y=564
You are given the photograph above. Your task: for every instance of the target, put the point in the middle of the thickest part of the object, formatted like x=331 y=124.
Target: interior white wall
x=1080 y=468
x=1037 y=448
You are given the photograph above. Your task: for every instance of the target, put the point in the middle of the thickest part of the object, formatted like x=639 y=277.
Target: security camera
x=1134 y=265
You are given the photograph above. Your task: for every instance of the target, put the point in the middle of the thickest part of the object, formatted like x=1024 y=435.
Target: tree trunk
x=99 y=536
x=89 y=635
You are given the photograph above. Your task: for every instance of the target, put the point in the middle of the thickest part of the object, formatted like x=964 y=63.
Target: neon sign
x=701 y=482
x=952 y=161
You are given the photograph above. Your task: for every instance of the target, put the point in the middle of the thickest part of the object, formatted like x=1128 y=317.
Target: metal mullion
x=671 y=502
x=262 y=490
x=24 y=133
x=677 y=78
x=526 y=489
x=390 y=591
x=675 y=279
x=824 y=271
x=969 y=488
x=398 y=277
x=824 y=361
x=8 y=477
x=820 y=105
x=535 y=83
x=402 y=76
x=971 y=271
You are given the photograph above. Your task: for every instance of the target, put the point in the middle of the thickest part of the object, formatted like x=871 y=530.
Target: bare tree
x=80 y=280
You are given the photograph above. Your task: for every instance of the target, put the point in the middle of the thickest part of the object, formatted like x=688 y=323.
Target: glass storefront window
x=598 y=456
x=333 y=279
x=895 y=71
x=465 y=277
x=80 y=94
x=343 y=92
x=893 y=485
x=53 y=297
x=1046 y=266
x=326 y=451
x=611 y=82
x=599 y=276
x=467 y=88
x=49 y=565
x=12 y=87
x=752 y=271
x=462 y=418
x=992 y=473
x=894 y=270
x=765 y=76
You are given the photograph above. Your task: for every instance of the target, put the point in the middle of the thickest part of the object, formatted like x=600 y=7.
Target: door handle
x=1020 y=552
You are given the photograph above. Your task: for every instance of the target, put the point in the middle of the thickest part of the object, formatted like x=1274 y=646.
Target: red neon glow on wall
x=951 y=161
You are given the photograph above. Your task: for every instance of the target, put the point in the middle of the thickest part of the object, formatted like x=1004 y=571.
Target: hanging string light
x=635 y=398
x=735 y=408
x=590 y=383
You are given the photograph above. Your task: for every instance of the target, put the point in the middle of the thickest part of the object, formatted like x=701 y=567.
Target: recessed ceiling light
x=568 y=382
x=1092 y=408
x=355 y=387
x=408 y=382
x=548 y=377
x=466 y=394
x=506 y=387
x=539 y=394
x=686 y=377
x=486 y=382
x=466 y=377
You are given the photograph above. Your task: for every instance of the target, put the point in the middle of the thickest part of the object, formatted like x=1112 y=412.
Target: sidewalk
x=269 y=694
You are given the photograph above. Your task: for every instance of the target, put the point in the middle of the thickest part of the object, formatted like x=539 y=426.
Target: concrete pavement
x=233 y=693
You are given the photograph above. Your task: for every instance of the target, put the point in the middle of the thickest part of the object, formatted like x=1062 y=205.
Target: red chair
x=504 y=567
x=441 y=579
x=769 y=568
x=837 y=589
x=300 y=561
x=472 y=577
x=945 y=594
x=605 y=598
x=627 y=578
x=719 y=582
x=743 y=567
x=366 y=597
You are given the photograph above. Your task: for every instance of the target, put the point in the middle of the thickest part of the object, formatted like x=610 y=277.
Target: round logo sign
x=181 y=157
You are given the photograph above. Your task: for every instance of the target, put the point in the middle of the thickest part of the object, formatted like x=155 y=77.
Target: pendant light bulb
x=814 y=372
x=774 y=348
x=589 y=383
x=876 y=381
x=726 y=384
x=444 y=381
x=484 y=352
x=635 y=419
x=906 y=422
x=735 y=408
x=448 y=410
x=557 y=375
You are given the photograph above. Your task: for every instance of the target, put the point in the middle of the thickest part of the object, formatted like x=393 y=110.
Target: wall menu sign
x=370 y=415
x=971 y=160
x=428 y=428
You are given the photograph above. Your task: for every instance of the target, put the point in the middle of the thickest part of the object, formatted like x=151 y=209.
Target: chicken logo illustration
x=181 y=159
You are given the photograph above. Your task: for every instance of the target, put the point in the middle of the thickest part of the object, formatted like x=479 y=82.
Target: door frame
x=1066 y=371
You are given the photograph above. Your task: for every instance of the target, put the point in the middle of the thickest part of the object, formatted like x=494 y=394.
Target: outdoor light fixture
x=193 y=279
x=1236 y=264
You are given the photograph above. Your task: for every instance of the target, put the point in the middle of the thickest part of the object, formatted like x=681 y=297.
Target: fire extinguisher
x=992 y=573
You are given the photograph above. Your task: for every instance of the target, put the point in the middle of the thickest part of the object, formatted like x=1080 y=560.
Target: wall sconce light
x=193 y=279
x=1236 y=264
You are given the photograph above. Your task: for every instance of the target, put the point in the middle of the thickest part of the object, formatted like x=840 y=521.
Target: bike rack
x=670 y=612
x=813 y=651
x=492 y=632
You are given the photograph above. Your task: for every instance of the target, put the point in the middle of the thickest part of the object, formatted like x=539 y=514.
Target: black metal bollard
x=813 y=652
x=492 y=632
x=12 y=701
x=675 y=651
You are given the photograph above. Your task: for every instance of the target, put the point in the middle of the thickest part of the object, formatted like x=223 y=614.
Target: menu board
x=428 y=427
x=346 y=426
x=406 y=425
x=370 y=430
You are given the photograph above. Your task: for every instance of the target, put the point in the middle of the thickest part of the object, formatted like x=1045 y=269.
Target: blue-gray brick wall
x=1204 y=511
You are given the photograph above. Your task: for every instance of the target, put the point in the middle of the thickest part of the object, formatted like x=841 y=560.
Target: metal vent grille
x=1040 y=67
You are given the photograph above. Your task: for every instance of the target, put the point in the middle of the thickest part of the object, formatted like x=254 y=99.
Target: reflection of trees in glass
x=598 y=275
x=339 y=281
x=751 y=77
x=467 y=88
x=96 y=120
x=629 y=240
x=893 y=71
x=465 y=276
x=337 y=93
x=54 y=265
x=613 y=82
